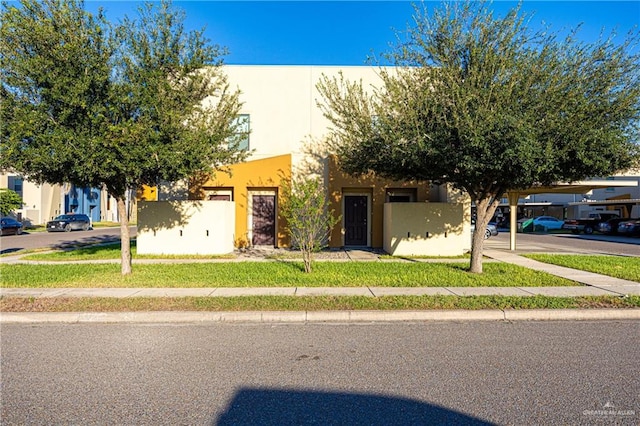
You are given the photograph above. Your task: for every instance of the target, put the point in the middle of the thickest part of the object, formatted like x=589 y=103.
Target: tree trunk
x=307 y=253
x=125 y=238
x=485 y=208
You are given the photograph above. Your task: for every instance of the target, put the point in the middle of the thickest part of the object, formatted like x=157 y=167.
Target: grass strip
x=624 y=267
x=318 y=303
x=275 y=274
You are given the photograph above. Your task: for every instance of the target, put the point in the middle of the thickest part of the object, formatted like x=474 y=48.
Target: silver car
x=491 y=231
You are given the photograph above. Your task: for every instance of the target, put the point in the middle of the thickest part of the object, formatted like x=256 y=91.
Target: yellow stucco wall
x=263 y=175
x=147 y=193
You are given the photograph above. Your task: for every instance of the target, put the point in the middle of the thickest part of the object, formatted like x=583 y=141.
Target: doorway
x=263 y=220
x=356 y=220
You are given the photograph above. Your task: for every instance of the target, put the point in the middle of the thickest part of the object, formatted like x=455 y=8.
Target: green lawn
x=624 y=267
x=276 y=274
x=317 y=303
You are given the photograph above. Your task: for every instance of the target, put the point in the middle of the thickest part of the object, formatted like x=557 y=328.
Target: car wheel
x=67 y=228
x=588 y=230
x=85 y=227
x=487 y=234
x=19 y=231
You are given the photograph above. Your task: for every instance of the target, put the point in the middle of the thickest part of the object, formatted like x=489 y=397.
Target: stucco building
x=284 y=130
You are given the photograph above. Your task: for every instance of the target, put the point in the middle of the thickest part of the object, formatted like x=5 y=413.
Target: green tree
x=488 y=105
x=9 y=201
x=111 y=106
x=305 y=208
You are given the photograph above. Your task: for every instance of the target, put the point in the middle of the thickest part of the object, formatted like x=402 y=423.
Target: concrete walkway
x=593 y=280
x=593 y=285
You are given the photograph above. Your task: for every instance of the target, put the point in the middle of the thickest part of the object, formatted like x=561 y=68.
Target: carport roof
x=580 y=187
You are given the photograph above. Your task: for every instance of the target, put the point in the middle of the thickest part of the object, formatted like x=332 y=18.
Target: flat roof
x=580 y=187
x=605 y=202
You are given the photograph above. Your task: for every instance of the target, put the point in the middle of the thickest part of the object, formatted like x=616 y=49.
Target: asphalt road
x=34 y=240
x=568 y=243
x=368 y=374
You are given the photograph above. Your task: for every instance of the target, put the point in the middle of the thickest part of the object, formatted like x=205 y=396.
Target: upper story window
x=15 y=184
x=242 y=125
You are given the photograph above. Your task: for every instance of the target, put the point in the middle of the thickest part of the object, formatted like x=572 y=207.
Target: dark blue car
x=69 y=222
x=10 y=226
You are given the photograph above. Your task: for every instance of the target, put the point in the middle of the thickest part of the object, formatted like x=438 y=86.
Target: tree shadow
x=157 y=215
x=11 y=250
x=295 y=407
x=85 y=241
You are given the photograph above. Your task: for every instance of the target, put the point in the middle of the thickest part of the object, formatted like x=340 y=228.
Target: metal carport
x=581 y=187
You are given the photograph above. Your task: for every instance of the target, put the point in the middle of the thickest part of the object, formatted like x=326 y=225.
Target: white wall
x=282 y=104
x=185 y=227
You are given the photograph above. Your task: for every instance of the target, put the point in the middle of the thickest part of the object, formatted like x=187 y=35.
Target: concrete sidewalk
x=369 y=291
x=593 y=285
x=593 y=280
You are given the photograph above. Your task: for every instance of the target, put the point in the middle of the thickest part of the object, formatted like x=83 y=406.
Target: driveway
x=567 y=243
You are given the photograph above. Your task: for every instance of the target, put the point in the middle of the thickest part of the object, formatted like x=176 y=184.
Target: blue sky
x=347 y=32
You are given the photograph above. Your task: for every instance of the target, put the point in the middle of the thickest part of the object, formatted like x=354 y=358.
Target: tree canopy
x=9 y=201
x=94 y=104
x=488 y=105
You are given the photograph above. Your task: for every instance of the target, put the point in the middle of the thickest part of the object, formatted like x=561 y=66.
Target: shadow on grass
x=295 y=407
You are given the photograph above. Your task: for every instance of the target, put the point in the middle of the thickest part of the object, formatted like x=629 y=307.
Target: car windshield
x=64 y=217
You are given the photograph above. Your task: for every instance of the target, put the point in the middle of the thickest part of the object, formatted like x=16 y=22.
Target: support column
x=513 y=218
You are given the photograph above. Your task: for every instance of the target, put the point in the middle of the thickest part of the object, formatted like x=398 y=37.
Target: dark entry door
x=264 y=220
x=355 y=220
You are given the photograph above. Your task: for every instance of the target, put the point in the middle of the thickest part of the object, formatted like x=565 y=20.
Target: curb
x=190 y=317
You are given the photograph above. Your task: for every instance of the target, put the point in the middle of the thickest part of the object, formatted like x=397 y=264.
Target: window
x=219 y=194
x=403 y=195
x=242 y=126
x=15 y=184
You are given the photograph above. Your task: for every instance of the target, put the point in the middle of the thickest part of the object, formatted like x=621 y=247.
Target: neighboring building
x=42 y=203
x=284 y=128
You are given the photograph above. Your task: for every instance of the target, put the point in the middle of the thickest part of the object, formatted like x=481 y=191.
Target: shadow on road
x=86 y=241
x=294 y=407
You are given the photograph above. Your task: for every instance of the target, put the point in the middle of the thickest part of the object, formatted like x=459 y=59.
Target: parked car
x=69 y=222
x=547 y=222
x=589 y=224
x=629 y=227
x=491 y=231
x=10 y=226
x=610 y=227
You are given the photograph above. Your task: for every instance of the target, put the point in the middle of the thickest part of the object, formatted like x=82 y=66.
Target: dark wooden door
x=264 y=220
x=355 y=220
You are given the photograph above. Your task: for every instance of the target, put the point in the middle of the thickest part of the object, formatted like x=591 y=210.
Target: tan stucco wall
x=428 y=229
x=185 y=227
x=340 y=184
